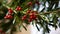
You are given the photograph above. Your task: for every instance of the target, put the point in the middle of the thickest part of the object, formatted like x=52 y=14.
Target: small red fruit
x=28 y=11
x=10 y=11
x=29 y=3
x=34 y=17
x=31 y=17
x=29 y=20
x=8 y=17
x=18 y=8
x=31 y=14
x=24 y=17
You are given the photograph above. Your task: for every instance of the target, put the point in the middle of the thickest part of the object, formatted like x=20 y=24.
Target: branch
x=56 y=11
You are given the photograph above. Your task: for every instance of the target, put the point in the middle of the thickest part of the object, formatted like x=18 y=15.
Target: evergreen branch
x=36 y=11
x=50 y=12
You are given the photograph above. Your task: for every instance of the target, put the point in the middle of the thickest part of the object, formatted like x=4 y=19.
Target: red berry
x=24 y=17
x=31 y=17
x=32 y=11
x=8 y=17
x=31 y=14
x=18 y=8
x=5 y=17
x=28 y=11
x=10 y=11
x=29 y=3
x=29 y=20
x=34 y=17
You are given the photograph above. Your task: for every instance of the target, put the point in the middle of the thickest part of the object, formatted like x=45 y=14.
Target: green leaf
x=55 y=19
x=58 y=13
x=48 y=30
x=20 y=27
x=24 y=27
x=59 y=25
x=42 y=9
x=37 y=28
x=41 y=21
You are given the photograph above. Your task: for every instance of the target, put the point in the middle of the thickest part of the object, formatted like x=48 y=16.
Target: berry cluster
x=29 y=3
x=10 y=12
x=9 y=15
x=32 y=16
x=24 y=17
x=18 y=8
